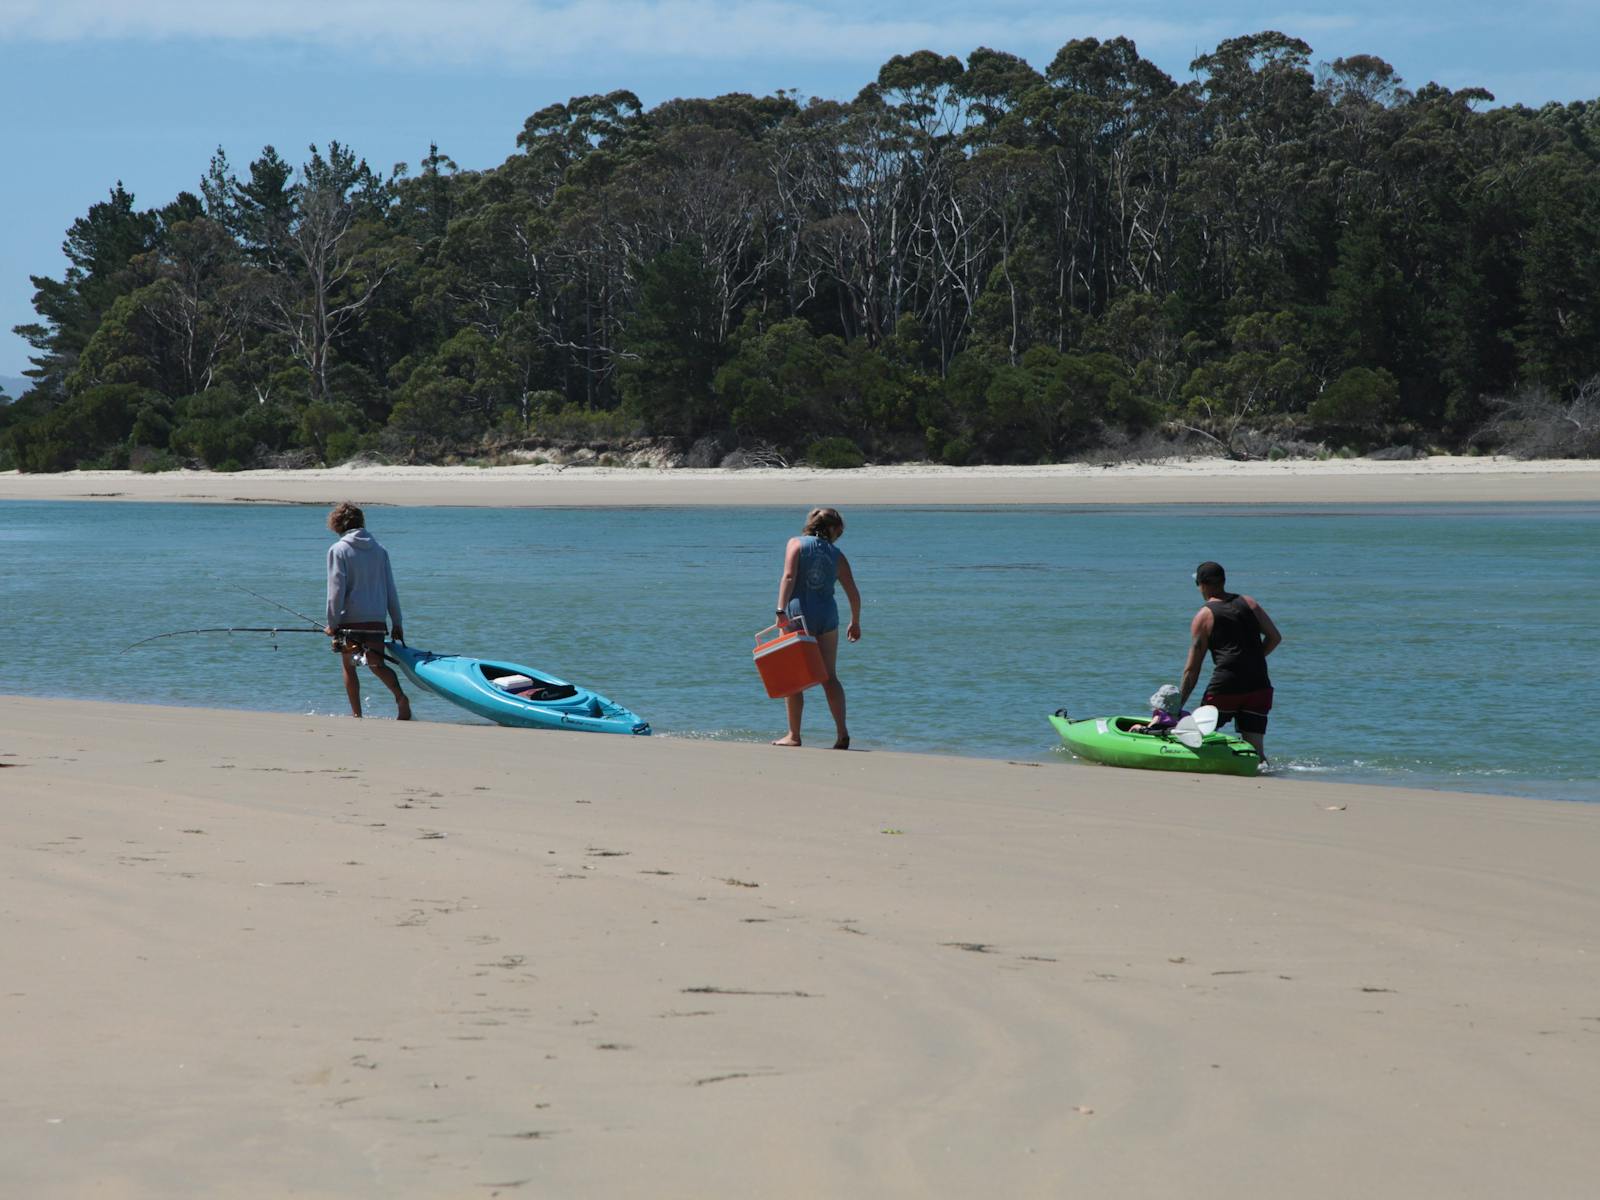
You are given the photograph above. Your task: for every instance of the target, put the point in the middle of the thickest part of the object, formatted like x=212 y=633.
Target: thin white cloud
x=431 y=30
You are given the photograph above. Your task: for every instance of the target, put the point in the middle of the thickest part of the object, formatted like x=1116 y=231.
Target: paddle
x=1192 y=729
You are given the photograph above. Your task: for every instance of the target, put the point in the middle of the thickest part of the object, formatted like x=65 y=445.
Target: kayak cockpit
x=518 y=683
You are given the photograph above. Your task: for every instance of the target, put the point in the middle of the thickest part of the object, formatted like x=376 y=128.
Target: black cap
x=1210 y=572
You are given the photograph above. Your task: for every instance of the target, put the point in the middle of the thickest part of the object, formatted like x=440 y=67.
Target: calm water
x=1428 y=646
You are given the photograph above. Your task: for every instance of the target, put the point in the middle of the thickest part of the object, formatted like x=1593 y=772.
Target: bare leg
x=352 y=682
x=828 y=643
x=1259 y=741
x=390 y=680
x=794 y=706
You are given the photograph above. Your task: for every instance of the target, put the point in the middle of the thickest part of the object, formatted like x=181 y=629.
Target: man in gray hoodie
x=361 y=593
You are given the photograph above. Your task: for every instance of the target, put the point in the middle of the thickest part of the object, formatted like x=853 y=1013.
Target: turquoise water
x=1438 y=646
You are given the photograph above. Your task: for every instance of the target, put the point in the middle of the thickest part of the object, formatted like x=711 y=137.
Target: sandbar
x=266 y=955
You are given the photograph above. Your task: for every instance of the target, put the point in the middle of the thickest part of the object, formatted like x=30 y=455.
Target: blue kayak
x=512 y=694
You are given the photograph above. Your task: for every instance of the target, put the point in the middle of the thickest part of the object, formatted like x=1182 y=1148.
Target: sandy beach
x=257 y=955
x=1440 y=480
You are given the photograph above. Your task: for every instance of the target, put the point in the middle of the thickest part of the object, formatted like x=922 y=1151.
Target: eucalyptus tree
x=708 y=190
x=199 y=296
x=859 y=246
x=1452 y=236
x=313 y=234
x=940 y=258
x=1362 y=108
x=1109 y=126
x=998 y=189
x=1559 y=279
x=567 y=248
x=801 y=155
x=331 y=247
x=1243 y=189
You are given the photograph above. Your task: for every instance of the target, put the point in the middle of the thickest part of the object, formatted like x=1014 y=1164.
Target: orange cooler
x=788 y=659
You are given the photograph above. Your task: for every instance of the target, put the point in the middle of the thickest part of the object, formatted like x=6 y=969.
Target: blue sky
x=93 y=91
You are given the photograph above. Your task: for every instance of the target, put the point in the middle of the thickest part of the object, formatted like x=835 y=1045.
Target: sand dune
x=257 y=955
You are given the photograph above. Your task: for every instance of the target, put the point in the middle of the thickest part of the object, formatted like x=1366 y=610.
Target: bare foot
x=786 y=740
x=404 y=713
x=843 y=743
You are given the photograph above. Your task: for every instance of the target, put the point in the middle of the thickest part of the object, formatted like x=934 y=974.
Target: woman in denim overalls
x=811 y=564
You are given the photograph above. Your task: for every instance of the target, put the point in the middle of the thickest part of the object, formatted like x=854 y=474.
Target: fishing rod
x=274 y=603
x=339 y=643
x=274 y=630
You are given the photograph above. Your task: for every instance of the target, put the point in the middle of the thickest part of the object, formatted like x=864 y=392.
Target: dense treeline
x=969 y=261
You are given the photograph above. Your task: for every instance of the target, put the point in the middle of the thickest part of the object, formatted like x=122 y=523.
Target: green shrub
x=151 y=462
x=113 y=458
x=578 y=424
x=212 y=439
x=80 y=431
x=220 y=424
x=957 y=452
x=1361 y=405
x=152 y=425
x=324 y=422
x=343 y=445
x=835 y=454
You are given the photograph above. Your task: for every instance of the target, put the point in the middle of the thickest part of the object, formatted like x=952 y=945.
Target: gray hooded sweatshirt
x=360 y=582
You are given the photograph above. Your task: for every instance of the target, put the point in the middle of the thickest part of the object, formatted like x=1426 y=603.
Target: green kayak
x=1107 y=740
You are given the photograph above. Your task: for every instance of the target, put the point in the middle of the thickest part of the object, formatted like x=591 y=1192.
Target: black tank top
x=1237 y=664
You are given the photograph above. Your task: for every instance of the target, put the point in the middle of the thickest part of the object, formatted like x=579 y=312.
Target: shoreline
x=1436 y=480
x=1049 y=754
x=450 y=960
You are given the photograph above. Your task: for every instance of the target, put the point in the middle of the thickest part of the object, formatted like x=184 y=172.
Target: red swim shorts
x=1248 y=710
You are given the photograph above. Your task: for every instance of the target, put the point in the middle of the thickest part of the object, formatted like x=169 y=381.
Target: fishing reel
x=343 y=643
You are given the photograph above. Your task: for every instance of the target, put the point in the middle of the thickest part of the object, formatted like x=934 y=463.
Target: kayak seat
x=523 y=687
x=545 y=695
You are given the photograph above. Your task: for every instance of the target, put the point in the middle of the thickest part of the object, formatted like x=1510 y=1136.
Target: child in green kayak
x=1165 y=711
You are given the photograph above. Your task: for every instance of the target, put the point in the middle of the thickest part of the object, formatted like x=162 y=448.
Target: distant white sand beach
x=1440 y=479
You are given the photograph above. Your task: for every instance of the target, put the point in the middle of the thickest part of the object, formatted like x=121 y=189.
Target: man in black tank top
x=1239 y=635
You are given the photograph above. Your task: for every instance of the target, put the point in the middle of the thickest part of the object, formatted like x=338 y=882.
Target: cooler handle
x=787 y=625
